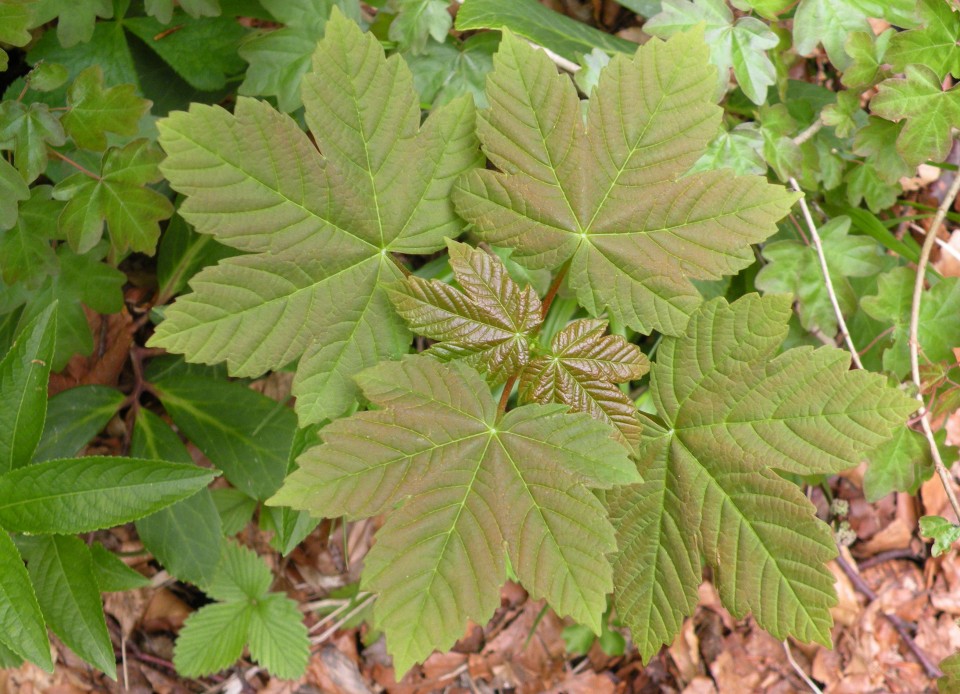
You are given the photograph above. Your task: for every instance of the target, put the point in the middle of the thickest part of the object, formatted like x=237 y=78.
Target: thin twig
x=944 y=246
x=317 y=640
x=945 y=477
x=809 y=132
x=74 y=164
x=799 y=670
x=558 y=60
x=815 y=237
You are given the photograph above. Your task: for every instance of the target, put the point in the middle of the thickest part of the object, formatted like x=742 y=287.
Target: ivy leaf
x=934 y=45
x=488 y=323
x=902 y=464
x=75 y=20
x=12 y=189
x=943 y=532
x=867 y=52
x=93 y=111
x=731 y=411
x=320 y=228
x=580 y=371
x=936 y=330
x=418 y=21
x=930 y=114
x=280 y=58
x=27 y=129
x=15 y=20
x=22 y=629
x=118 y=197
x=607 y=196
x=740 y=149
x=740 y=45
x=829 y=22
x=474 y=481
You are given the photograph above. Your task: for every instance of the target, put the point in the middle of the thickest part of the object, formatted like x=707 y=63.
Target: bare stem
x=818 y=246
x=945 y=477
x=74 y=164
x=552 y=291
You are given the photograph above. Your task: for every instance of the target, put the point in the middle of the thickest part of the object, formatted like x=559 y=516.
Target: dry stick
x=945 y=477
x=815 y=237
x=944 y=246
x=799 y=670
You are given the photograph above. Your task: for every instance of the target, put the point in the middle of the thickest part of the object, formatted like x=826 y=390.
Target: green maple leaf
x=793 y=268
x=94 y=111
x=930 y=114
x=938 y=332
x=75 y=20
x=473 y=482
x=731 y=410
x=943 y=532
x=488 y=324
x=118 y=197
x=15 y=20
x=902 y=464
x=27 y=130
x=867 y=183
x=444 y=71
x=779 y=150
x=280 y=58
x=829 y=22
x=25 y=252
x=877 y=141
x=580 y=371
x=318 y=229
x=740 y=149
x=162 y=10
x=845 y=116
x=740 y=45
x=934 y=45
x=609 y=196
x=418 y=21
x=867 y=52
x=12 y=190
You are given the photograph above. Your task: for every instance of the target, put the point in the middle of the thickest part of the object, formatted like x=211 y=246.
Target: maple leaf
x=25 y=251
x=488 y=323
x=75 y=20
x=732 y=412
x=471 y=481
x=902 y=464
x=739 y=149
x=933 y=45
x=318 y=229
x=12 y=190
x=93 y=111
x=27 y=130
x=118 y=197
x=829 y=22
x=581 y=370
x=877 y=141
x=866 y=51
x=15 y=19
x=418 y=21
x=609 y=196
x=930 y=114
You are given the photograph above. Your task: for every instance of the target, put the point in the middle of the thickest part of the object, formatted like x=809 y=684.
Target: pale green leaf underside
x=609 y=195
x=471 y=484
x=732 y=411
x=318 y=228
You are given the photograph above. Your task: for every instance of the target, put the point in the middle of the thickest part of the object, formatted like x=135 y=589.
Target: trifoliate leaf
x=241 y=575
x=731 y=410
x=418 y=21
x=934 y=45
x=118 y=197
x=320 y=228
x=94 y=111
x=902 y=464
x=15 y=19
x=740 y=149
x=739 y=44
x=212 y=639
x=937 y=331
x=866 y=52
x=488 y=324
x=22 y=629
x=27 y=130
x=280 y=58
x=12 y=189
x=877 y=141
x=580 y=371
x=278 y=637
x=930 y=114
x=941 y=531
x=75 y=20
x=829 y=22
x=444 y=71
x=474 y=481
x=608 y=196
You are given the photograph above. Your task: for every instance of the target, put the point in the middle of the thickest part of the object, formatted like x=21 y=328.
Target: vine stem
x=74 y=164
x=945 y=477
x=818 y=246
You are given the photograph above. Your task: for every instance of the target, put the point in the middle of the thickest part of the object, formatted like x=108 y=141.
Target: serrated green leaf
x=321 y=227
x=930 y=114
x=95 y=111
x=8 y=659
x=112 y=574
x=580 y=371
x=12 y=189
x=24 y=373
x=61 y=569
x=235 y=509
x=75 y=20
x=22 y=628
x=794 y=268
x=418 y=21
x=943 y=532
x=607 y=196
x=241 y=576
x=185 y=537
x=473 y=481
x=278 y=637
x=27 y=129
x=829 y=22
x=78 y=495
x=935 y=44
x=488 y=324
x=74 y=417
x=212 y=639
x=545 y=27
x=444 y=71
x=244 y=433
x=118 y=197
x=731 y=412
x=740 y=149
x=901 y=464
x=867 y=52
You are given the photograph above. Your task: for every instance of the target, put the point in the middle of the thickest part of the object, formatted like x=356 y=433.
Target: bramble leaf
x=278 y=636
x=609 y=196
x=935 y=44
x=580 y=371
x=319 y=230
x=488 y=324
x=732 y=411
x=212 y=639
x=472 y=481
x=94 y=111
